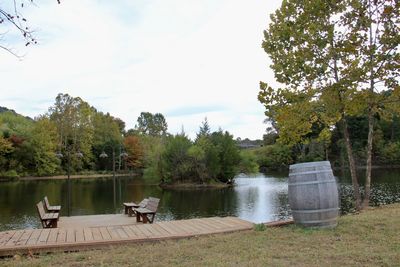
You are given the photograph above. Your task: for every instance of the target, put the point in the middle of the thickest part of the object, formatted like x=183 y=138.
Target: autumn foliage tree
x=135 y=152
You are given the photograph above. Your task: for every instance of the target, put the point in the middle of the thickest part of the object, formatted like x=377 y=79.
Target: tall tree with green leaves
x=43 y=146
x=152 y=124
x=374 y=27
x=321 y=55
x=73 y=118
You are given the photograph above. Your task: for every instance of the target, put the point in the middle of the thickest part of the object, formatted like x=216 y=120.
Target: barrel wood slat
x=313 y=194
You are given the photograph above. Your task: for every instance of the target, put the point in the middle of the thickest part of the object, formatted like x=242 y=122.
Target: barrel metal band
x=320 y=221
x=310 y=172
x=315 y=211
x=313 y=182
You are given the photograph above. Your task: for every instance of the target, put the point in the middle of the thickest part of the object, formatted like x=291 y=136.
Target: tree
x=151 y=124
x=13 y=19
x=204 y=130
x=107 y=136
x=135 y=152
x=43 y=145
x=323 y=55
x=227 y=153
x=374 y=27
x=73 y=118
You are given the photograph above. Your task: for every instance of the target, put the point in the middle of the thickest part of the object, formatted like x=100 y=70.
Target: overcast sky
x=187 y=59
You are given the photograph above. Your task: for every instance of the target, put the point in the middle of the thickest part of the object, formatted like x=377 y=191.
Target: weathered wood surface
x=79 y=238
x=313 y=194
x=95 y=220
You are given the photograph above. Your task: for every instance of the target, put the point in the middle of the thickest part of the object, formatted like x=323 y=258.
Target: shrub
x=248 y=162
x=274 y=156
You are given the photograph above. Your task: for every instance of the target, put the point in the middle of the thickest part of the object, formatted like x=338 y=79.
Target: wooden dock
x=79 y=238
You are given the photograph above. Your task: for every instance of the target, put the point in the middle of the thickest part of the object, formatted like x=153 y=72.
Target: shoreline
x=75 y=176
x=188 y=186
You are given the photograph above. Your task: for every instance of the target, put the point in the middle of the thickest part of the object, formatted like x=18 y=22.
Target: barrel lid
x=310 y=164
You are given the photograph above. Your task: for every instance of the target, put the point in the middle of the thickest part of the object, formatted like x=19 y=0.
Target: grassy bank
x=367 y=239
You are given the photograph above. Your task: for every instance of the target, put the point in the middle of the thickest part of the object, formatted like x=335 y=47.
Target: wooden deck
x=95 y=220
x=78 y=238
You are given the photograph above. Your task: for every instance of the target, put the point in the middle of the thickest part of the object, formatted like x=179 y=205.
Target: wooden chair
x=147 y=213
x=49 y=220
x=130 y=205
x=50 y=208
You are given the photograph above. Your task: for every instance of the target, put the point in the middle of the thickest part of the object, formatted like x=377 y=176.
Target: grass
x=371 y=238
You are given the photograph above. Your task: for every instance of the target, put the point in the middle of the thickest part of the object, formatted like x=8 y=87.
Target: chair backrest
x=40 y=209
x=153 y=204
x=143 y=203
x=46 y=202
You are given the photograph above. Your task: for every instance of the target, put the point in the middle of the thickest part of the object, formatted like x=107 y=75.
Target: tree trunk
x=352 y=164
x=369 y=158
x=370 y=116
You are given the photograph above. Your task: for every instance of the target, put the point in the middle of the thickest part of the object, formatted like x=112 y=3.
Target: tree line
x=74 y=135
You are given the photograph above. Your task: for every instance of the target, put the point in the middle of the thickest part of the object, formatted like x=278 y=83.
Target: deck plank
x=104 y=233
x=34 y=237
x=201 y=229
x=14 y=239
x=207 y=225
x=171 y=229
x=87 y=233
x=79 y=235
x=113 y=232
x=96 y=233
x=136 y=230
x=53 y=236
x=6 y=237
x=25 y=237
x=61 y=235
x=145 y=231
x=121 y=232
x=44 y=235
x=150 y=229
x=128 y=231
x=181 y=226
x=70 y=235
x=162 y=231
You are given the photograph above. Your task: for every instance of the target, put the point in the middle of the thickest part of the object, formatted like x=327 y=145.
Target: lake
x=257 y=198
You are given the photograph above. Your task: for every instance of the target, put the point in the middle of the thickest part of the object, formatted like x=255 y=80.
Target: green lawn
x=371 y=238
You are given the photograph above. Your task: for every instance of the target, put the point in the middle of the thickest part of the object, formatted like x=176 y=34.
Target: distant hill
x=4 y=109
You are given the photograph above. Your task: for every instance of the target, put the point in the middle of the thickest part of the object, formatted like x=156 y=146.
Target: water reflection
x=259 y=198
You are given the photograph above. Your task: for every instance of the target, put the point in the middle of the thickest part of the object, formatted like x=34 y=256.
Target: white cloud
x=130 y=56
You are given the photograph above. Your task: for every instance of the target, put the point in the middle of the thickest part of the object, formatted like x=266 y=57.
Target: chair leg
x=145 y=219
x=138 y=217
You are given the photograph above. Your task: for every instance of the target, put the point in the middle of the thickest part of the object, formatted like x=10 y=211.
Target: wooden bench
x=130 y=205
x=50 y=208
x=49 y=220
x=147 y=214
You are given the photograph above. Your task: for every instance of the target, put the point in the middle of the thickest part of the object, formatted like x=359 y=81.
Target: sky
x=186 y=59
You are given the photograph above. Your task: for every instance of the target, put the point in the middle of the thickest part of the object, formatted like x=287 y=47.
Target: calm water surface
x=258 y=198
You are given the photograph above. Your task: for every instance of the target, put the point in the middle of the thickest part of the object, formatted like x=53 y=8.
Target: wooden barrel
x=313 y=194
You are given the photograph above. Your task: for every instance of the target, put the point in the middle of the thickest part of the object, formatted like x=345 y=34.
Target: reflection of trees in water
x=282 y=209
x=18 y=199
x=248 y=197
x=181 y=204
